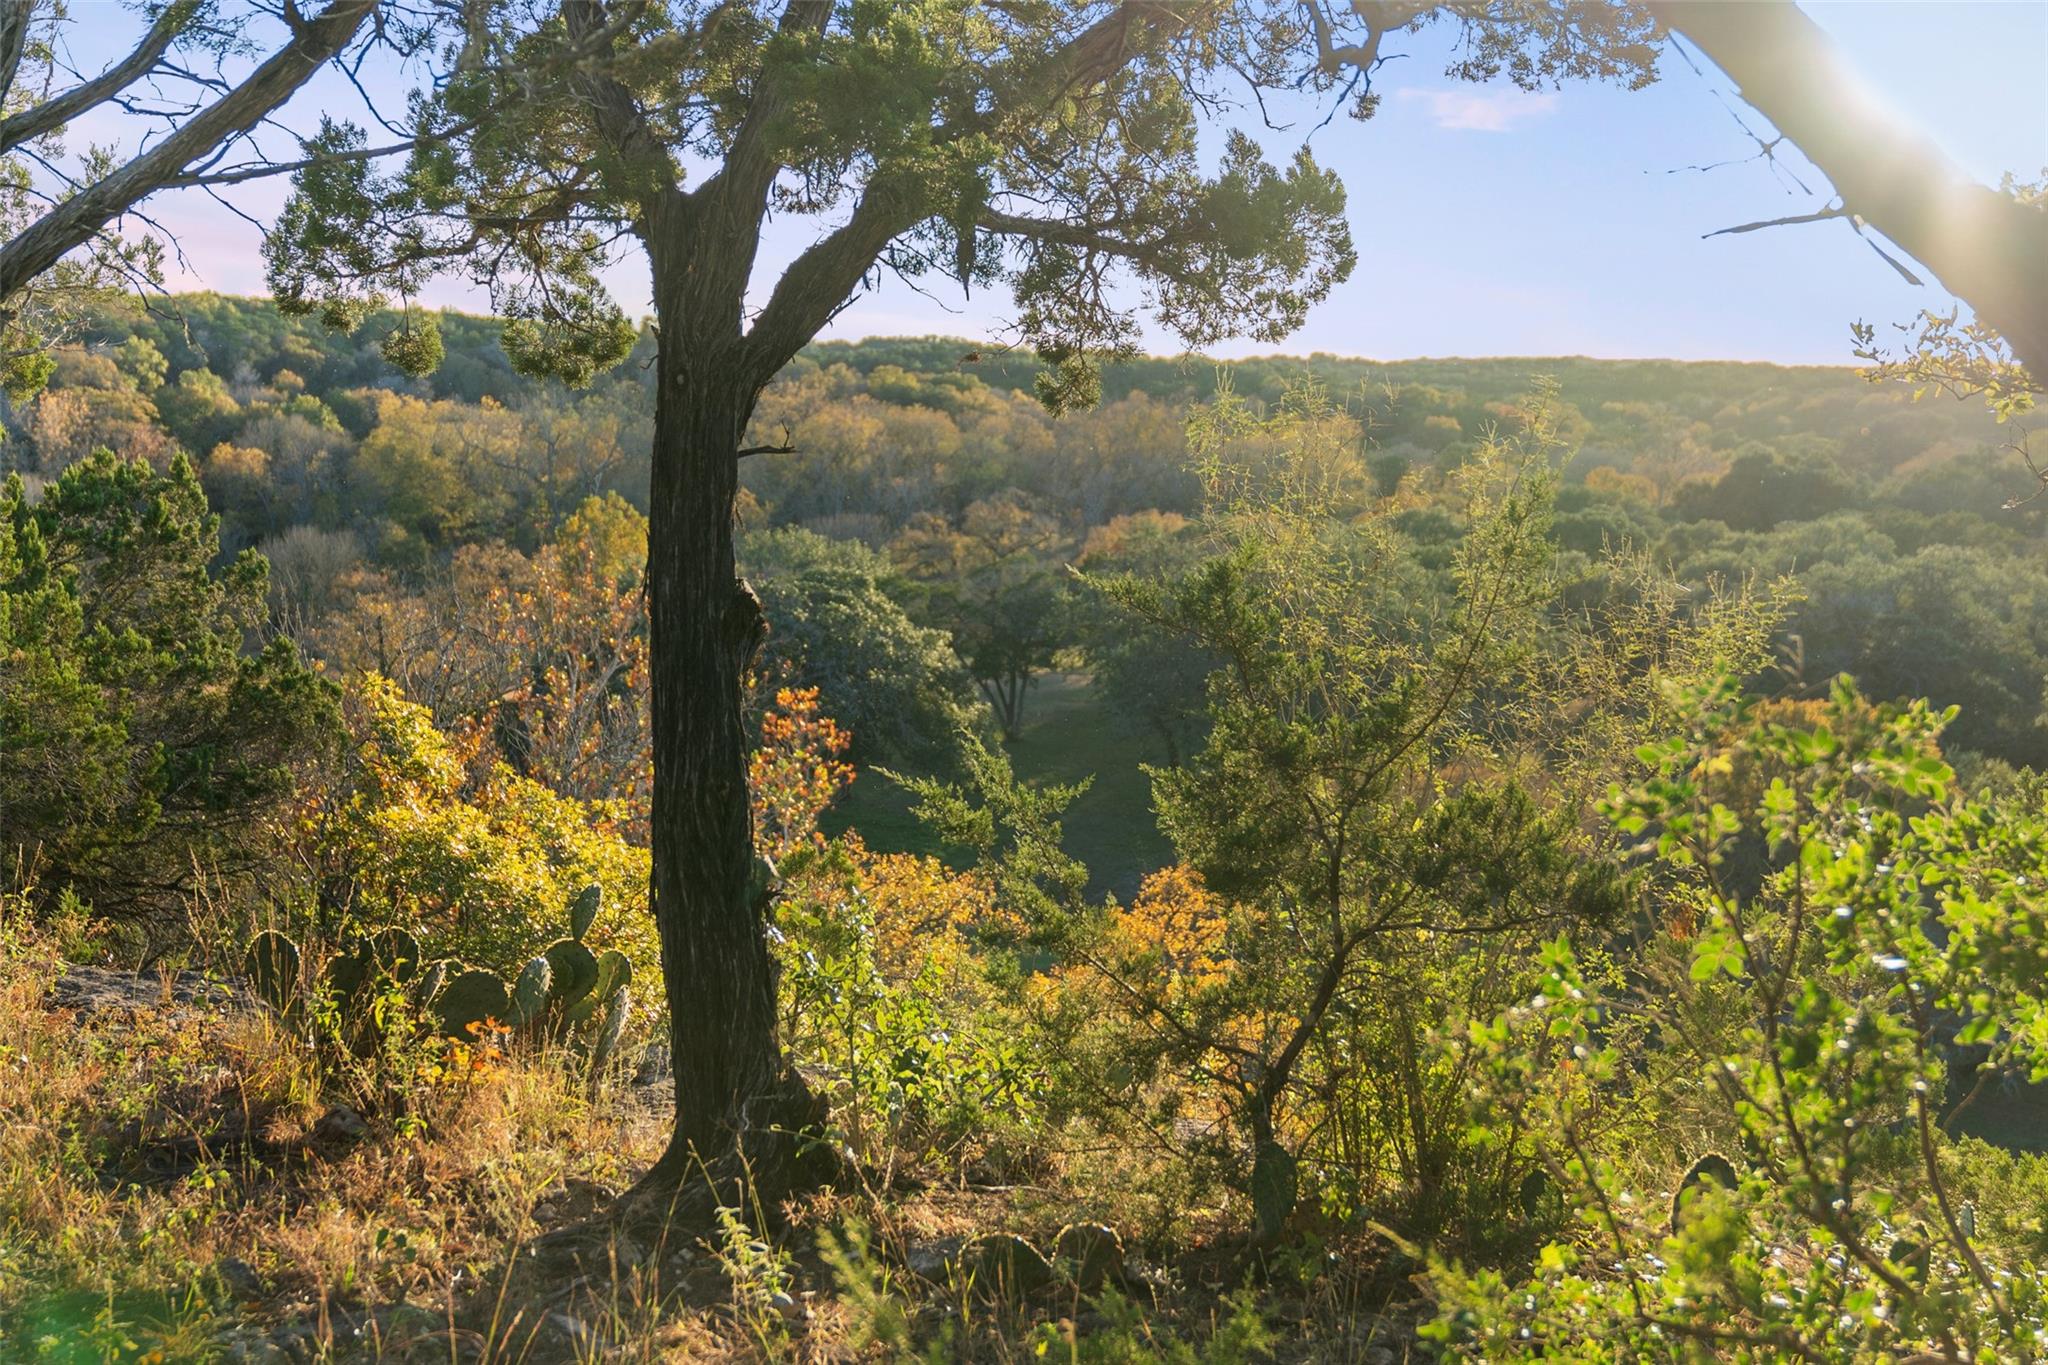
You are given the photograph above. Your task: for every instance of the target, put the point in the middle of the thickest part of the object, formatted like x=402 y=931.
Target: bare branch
x=74 y=221
x=1985 y=246
x=237 y=175
x=53 y=114
x=1821 y=217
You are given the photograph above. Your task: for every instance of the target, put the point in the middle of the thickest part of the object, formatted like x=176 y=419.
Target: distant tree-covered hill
x=1906 y=531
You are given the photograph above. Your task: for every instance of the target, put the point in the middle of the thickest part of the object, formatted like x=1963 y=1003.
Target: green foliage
x=142 y=744
x=994 y=581
x=1840 y=919
x=912 y=1060
x=1710 y=1169
x=1125 y=1336
x=199 y=410
x=1765 y=485
x=1334 y=846
x=835 y=625
x=888 y=431
x=414 y=346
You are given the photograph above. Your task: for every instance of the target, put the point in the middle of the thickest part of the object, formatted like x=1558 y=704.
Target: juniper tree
x=143 y=748
x=1050 y=146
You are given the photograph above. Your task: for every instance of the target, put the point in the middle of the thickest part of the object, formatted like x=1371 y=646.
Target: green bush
x=143 y=746
x=1835 y=921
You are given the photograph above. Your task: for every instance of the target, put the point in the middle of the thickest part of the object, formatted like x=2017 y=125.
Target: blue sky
x=1488 y=221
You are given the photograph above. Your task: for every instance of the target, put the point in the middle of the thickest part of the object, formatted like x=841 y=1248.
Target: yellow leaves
x=404 y=757
x=228 y=461
x=922 y=909
x=1181 y=923
x=605 y=537
x=480 y=869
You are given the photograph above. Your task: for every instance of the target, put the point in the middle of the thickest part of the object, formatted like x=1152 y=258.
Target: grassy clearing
x=1069 y=735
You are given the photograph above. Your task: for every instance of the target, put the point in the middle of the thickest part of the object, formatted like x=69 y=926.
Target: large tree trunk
x=1987 y=249
x=742 y=1117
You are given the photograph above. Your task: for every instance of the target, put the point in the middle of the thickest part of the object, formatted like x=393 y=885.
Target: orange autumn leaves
x=1174 y=934
x=795 y=772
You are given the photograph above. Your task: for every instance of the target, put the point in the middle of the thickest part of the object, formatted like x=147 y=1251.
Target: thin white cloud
x=1479 y=111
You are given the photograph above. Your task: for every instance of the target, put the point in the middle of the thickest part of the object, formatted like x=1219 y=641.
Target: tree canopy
x=143 y=749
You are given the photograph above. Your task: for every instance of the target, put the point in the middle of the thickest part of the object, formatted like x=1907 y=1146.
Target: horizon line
x=1192 y=357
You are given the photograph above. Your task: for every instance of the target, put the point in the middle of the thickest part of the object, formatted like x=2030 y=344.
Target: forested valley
x=561 y=835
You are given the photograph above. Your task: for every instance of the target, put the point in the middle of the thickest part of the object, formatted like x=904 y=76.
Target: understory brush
x=1849 y=952
x=163 y=1159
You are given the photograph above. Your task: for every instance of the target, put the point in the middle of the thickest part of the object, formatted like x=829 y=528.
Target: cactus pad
x=583 y=910
x=530 y=991
x=272 y=966
x=574 y=971
x=470 y=997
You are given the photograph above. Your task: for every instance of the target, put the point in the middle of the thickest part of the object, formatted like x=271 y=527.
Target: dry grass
x=173 y=1186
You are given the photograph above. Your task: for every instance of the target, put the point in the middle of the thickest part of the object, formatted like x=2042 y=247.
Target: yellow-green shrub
x=479 y=868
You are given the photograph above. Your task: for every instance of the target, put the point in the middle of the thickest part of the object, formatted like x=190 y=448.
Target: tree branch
x=73 y=222
x=236 y=175
x=1087 y=236
x=14 y=24
x=1823 y=216
x=53 y=114
x=1984 y=246
x=620 y=119
x=816 y=286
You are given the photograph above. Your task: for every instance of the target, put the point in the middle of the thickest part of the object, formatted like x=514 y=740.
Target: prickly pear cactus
x=389 y=953
x=1274 y=1180
x=611 y=1028
x=272 y=966
x=614 y=973
x=530 y=991
x=583 y=910
x=574 y=969
x=1910 y=1255
x=1537 y=1194
x=471 y=997
x=395 y=952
